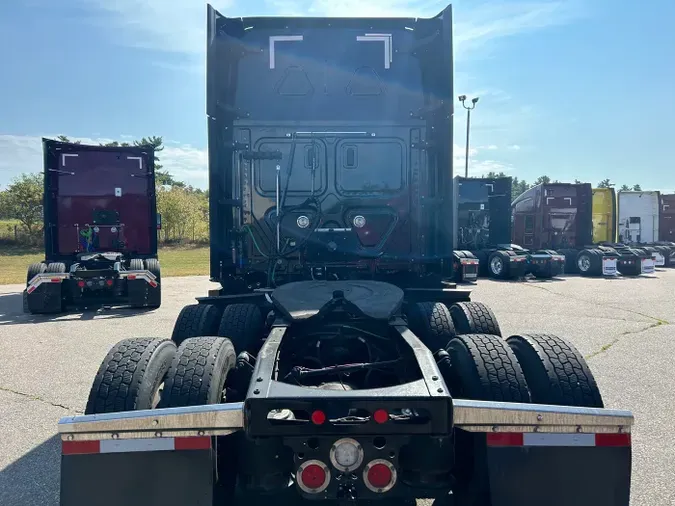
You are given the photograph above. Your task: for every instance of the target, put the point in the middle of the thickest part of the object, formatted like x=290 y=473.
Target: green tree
x=518 y=187
x=624 y=188
x=637 y=188
x=576 y=181
x=542 y=180
x=63 y=138
x=605 y=183
x=22 y=201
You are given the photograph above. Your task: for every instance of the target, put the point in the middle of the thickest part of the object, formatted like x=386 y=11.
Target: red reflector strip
x=55 y=280
x=131 y=276
x=192 y=443
x=80 y=447
x=612 y=439
x=505 y=439
x=552 y=439
x=153 y=284
x=31 y=289
x=135 y=445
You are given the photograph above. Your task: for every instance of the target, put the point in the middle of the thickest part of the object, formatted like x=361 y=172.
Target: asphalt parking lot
x=626 y=328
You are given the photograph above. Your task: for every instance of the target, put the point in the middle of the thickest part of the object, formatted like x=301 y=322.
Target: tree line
x=184 y=209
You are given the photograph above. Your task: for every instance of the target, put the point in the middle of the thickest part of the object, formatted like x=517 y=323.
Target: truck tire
x=589 y=262
x=195 y=320
x=474 y=318
x=555 y=371
x=484 y=368
x=34 y=270
x=136 y=264
x=154 y=294
x=498 y=265
x=198 y=372
x=432 y=323
x=56 y=268
x=243 y=325
x=131 y=375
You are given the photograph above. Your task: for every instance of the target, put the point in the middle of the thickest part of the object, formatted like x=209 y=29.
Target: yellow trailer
x=604 y=215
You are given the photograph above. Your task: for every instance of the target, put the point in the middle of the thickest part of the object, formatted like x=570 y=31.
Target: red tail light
x=381 y=416
x=318 y=417
x=313 y=476
x=379 y=475
x=109 y=282
x=80 y=284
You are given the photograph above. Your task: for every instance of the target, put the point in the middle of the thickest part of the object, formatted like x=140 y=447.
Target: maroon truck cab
x=99 y=199
x=554 y=216
x=667 y=218
x=100 y=229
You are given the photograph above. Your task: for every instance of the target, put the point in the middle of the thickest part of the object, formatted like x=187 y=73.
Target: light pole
x=474 y=101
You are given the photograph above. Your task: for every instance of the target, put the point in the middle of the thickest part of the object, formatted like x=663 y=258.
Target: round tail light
x=318 y=417
x=109 y=282
x=80 y=284
x=379 y=475
x=346 y=455
x=381 y=416
x=313 y=476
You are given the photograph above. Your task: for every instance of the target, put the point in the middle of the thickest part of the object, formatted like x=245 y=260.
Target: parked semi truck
x=100 y=229
x=639 y=218
x=334 y=364
x=667 y=223
x=482 y=233
x=558 y=217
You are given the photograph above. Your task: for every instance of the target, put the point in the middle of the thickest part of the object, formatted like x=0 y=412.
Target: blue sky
x=569 y=88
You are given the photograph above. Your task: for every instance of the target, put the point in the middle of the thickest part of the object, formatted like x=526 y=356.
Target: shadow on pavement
x=34 y=478
x=11 y=312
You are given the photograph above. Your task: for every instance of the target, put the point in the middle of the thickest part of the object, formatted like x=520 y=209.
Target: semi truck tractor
x=558 y=217
x=667 y=225
x=639 y=218
x=482 y=233
x=336 y=364
x=100 y=229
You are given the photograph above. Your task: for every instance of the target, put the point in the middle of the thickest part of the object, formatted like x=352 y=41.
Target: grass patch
x=175 y=261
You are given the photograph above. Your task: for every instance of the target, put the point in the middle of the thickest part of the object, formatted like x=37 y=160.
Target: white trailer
x=638 y=217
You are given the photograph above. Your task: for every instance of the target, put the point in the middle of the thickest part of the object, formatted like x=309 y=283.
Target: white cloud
x=478 y=165
x=22 y=153
x=492 y=20
x=513 y=147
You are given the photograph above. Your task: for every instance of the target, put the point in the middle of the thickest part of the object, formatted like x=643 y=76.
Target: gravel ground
x=623 y=326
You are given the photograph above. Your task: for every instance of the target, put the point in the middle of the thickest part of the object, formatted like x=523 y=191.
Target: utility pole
x=474 y=101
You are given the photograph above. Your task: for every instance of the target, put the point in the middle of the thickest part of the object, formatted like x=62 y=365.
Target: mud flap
x=560 y=471
x=469 y=270
x=141 y=293
x=129 y=475
x=648 y=265
x=45 y=299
